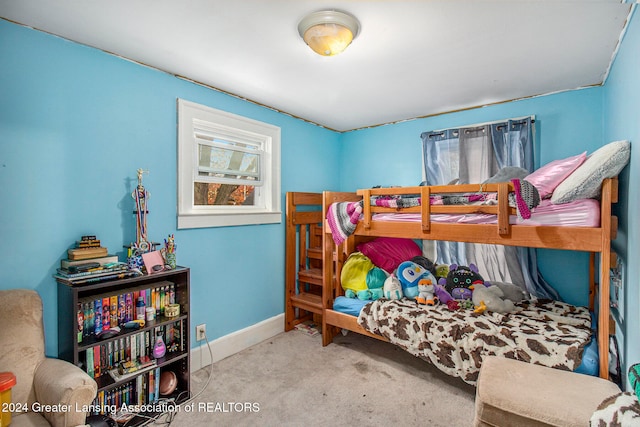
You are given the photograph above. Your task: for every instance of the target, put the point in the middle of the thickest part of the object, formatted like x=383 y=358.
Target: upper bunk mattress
x=580 y=213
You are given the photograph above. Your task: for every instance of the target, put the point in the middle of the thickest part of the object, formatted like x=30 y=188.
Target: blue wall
x=75 y=125
x=621 y=102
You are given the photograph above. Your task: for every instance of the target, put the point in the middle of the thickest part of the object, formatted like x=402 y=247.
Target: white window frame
x=192 y=116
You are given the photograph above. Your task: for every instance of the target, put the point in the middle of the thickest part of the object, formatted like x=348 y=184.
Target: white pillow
x=586 y=181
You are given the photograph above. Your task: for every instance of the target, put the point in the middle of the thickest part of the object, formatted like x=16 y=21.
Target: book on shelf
x=66 y=263
x=157 y=384
x=86 y=253
x=88 y=243
x=131 y=369
x=94 y=272
x=97 y=278
x=152 y=386
x=89 y=363
x=95 y=309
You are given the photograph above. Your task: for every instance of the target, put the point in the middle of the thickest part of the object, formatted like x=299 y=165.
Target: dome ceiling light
x=328 y=32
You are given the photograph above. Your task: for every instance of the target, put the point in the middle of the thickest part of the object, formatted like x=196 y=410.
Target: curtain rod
x=478 y=125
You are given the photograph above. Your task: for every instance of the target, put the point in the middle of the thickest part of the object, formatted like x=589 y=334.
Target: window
x=228 y=169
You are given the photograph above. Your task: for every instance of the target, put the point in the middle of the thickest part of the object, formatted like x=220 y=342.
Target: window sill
x=227 y=220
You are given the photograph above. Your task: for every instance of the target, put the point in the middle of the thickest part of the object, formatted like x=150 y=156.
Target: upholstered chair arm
x=67 y=388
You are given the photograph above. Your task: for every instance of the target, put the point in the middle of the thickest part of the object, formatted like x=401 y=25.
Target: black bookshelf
x=71 y=299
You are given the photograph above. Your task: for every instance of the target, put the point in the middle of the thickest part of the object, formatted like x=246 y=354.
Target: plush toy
x=460 y=278
x=426 y=289
x=511 y=291
x=466 y=304
x=375 y=283
x=361 y=279
x=353 y=276
x=491 y=298
x=409 y=273
x=425 y=263
x=441 y=293
x=442 y=270
x=392 y=288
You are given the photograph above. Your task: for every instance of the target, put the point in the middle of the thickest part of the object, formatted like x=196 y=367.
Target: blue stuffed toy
x=410 y=274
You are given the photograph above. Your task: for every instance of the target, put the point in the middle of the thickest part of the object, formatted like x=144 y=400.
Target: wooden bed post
x=425 y=208
x=327 y=287
x=605 y=264
x=593 y=283
x=333 y=257
x=503 y=208
x=327 y=270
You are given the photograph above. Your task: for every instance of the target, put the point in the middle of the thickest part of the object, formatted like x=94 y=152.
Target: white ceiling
x=411 y=58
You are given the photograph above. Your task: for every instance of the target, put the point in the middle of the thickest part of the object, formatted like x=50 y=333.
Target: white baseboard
x=236 y=341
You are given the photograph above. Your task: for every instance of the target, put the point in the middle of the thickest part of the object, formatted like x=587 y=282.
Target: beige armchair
x=54 y=391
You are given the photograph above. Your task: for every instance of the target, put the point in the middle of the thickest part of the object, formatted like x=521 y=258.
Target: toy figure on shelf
x=169 y=252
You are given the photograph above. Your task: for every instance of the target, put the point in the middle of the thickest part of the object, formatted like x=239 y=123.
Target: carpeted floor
x=291 y=380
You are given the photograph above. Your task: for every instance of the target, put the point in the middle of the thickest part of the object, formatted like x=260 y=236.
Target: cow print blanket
x=549 y=333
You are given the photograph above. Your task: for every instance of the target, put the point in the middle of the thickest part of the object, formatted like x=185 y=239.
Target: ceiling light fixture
x=328 y=32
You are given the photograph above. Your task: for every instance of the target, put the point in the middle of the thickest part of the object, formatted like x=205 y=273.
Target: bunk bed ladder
x=303 y=259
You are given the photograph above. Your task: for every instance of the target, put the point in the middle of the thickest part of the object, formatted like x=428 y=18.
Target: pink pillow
x=388 y=252
x=547 y=178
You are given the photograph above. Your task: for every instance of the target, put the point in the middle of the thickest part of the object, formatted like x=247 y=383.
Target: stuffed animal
x=425 y=263
x=361 y=279
x=365 y=295
x=511 y=291
x=409 y=273
x=426 y=290
x=491 y=298
x=460 y=278
x=442 y=270
x=392 y=288
x=375 y=283
x=353 y=276
x=441 y=293
x=507 y=173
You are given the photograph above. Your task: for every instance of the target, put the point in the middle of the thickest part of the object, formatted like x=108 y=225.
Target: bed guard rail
x=500 y=192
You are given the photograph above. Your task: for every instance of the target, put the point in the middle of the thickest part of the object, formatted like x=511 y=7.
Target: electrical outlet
x=201 y=332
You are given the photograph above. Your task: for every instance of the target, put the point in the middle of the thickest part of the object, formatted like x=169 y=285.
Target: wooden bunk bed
x=595 y=240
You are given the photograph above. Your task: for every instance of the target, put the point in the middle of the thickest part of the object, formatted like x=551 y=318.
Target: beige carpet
x=291 y=380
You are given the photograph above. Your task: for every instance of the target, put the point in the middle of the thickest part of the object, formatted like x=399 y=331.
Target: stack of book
x=94 y=273
x=86 y=248
x=89 y=262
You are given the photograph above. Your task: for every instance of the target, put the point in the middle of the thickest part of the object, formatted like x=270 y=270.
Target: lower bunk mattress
x=549 y=333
